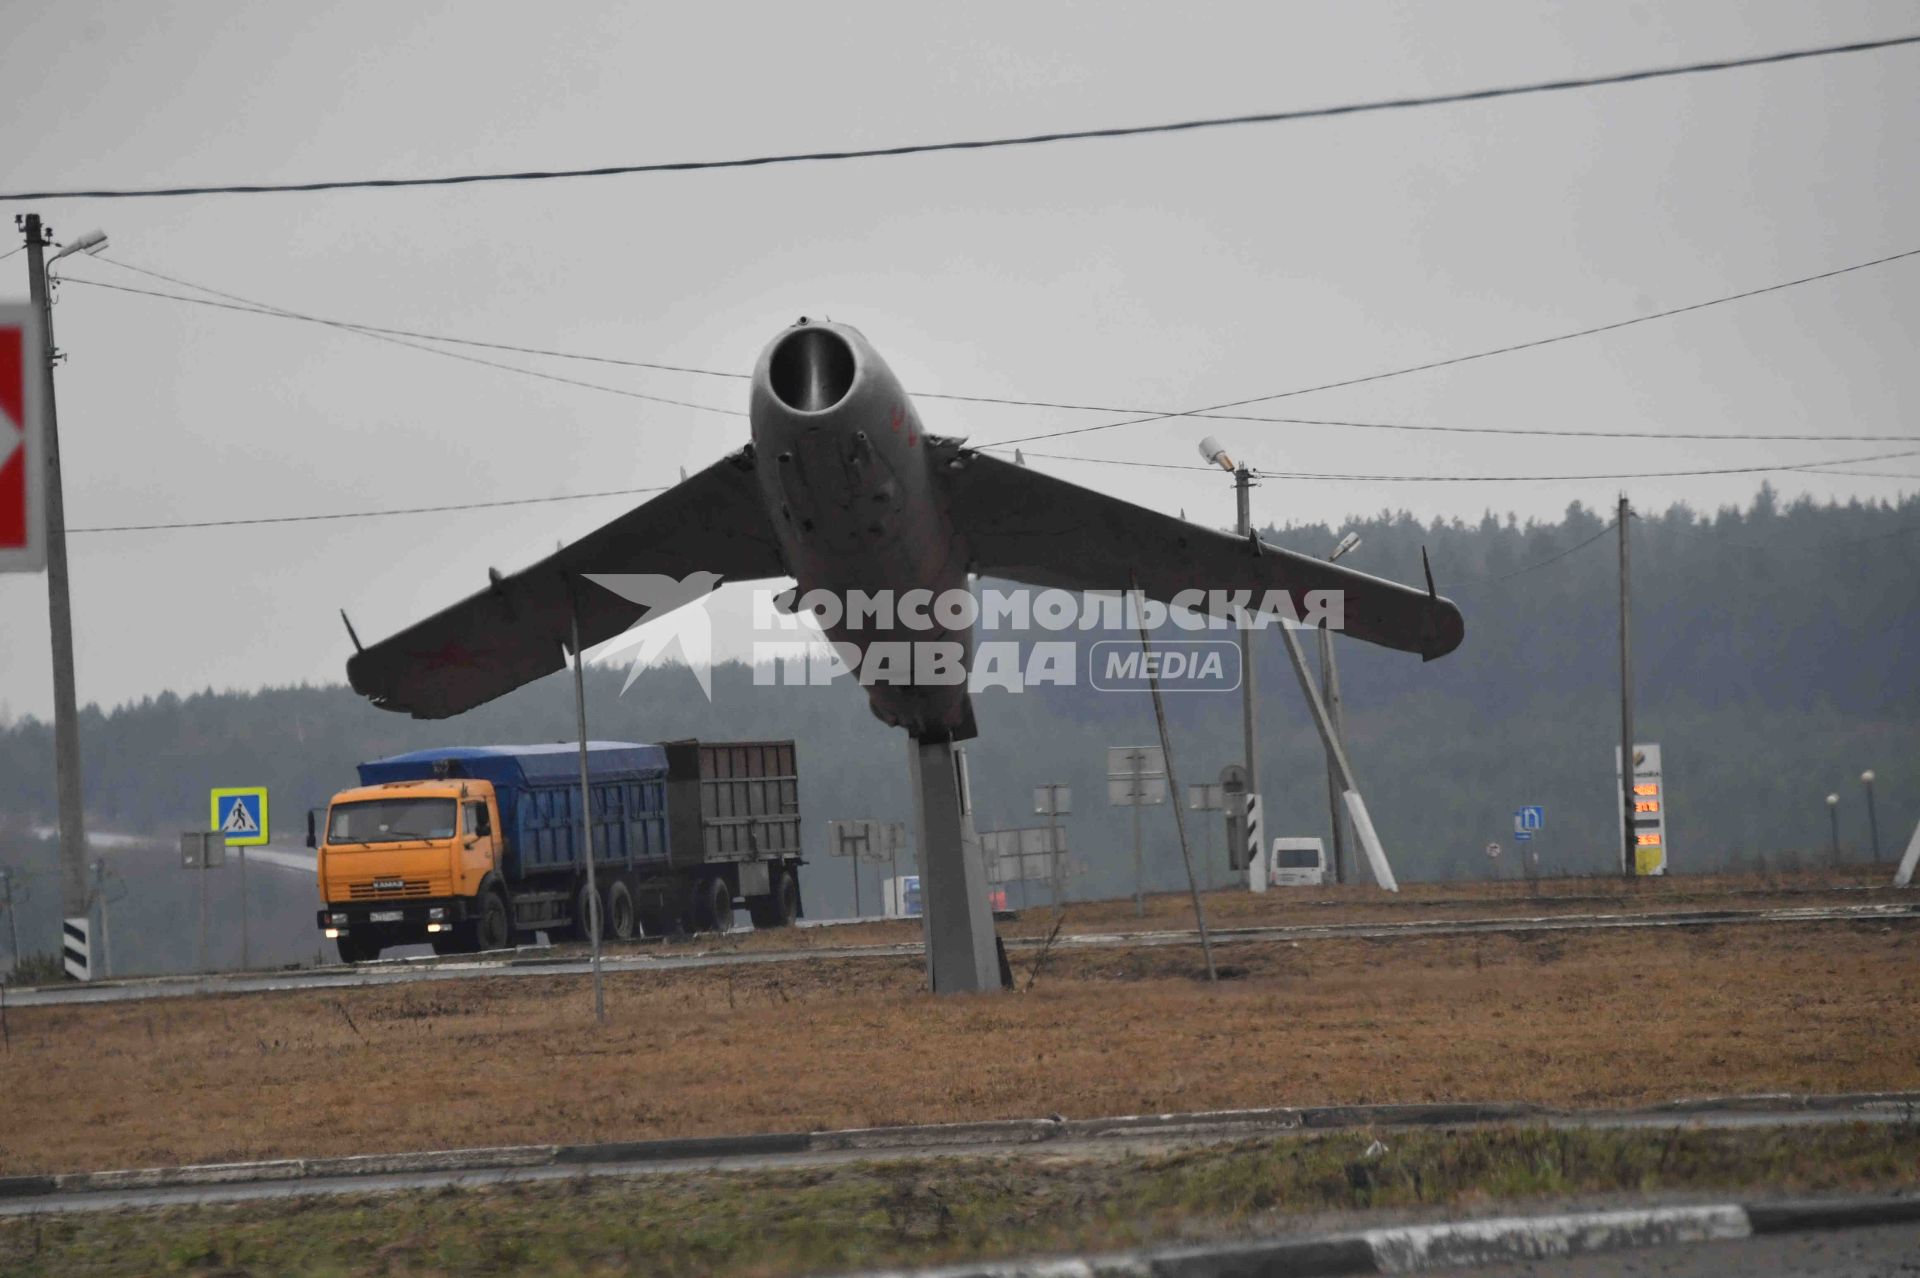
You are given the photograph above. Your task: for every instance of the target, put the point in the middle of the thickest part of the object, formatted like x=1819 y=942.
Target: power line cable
x=983 y=144
x=269 y=308
x=1486 y=354
x=1481 y=479
x=1106 y=461
x=234 y=302
x=259 y=308
x=1554 y=559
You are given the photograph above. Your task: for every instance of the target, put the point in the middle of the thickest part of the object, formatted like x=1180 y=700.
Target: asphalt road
x=545 y=963
x=1884 y=1252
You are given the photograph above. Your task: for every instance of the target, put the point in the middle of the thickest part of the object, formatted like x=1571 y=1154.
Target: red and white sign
x=23 y=461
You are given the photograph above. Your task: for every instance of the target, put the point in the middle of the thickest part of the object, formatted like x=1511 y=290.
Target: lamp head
x=1867 y=776
x=1211 y=450
x=92 y=242
x=1833 y=800
x=1347 y=543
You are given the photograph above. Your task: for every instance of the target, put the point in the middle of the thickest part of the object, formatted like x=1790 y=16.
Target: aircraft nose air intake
x=812 y=370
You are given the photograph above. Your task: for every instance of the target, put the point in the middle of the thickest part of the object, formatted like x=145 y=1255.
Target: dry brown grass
x=1584 y=1019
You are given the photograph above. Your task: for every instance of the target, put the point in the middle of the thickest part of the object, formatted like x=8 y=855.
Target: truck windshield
x=391 y=820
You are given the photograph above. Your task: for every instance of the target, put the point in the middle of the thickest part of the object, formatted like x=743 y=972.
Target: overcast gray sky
x=1161 y=272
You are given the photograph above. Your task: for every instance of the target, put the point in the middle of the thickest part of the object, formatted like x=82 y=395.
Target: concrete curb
x=1406 y=1249
x=1008 y=1133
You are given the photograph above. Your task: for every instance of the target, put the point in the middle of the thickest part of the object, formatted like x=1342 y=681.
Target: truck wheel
x=780 y=907
x=357 y=949
x=493 y=930
x=586 y=919
x=619 y=915
x=786 y=900
x=713 y=906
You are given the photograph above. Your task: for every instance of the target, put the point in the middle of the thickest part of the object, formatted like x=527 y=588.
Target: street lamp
x=66 y=718
x=92 y=242
x=1833 y=820
x=1216 y=455
x=1873 y=822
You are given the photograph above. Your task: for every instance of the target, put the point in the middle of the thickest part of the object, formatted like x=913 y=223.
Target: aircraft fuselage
x=849 y=487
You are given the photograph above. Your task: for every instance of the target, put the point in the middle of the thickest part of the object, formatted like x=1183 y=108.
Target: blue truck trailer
x=471 y=847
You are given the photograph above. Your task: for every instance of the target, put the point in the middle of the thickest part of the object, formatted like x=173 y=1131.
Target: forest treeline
x=1776 y=651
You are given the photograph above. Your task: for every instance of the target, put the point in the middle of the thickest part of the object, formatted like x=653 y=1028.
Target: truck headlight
x=338 y=920
x=436 y=927
x=332 y=933
x=437 y=912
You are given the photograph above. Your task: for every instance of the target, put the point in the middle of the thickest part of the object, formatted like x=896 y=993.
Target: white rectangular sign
x=1136 y=775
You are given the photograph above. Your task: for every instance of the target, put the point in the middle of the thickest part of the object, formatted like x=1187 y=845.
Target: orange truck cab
x=472 y=847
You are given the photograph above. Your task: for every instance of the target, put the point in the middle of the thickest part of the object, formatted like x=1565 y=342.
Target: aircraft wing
x=1033 y=528
x=512 y=633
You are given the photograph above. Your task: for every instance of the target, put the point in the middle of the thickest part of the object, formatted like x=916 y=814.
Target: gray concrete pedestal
x=958 y=917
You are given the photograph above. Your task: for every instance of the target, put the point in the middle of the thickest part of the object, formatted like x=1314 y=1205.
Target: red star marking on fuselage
x=451 y=655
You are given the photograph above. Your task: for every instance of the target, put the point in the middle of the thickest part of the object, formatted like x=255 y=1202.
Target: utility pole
x=13 y=923
x=1628 y=840
x=66 y=717
x=100 y=895
x=594 y=912
x=1139 y=795
x=1330 y=693
x=1833 y=827
x=1873 y=821
x=1243 y=510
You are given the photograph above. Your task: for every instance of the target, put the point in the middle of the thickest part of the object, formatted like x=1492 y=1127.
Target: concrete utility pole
x=1137 y=792
x=1330 y=693
x=106 y=937
x=1628 y=839
x=1873 y=821
x=594 y=913
x=1243 y=511
x=66 y=716
x=13 y=924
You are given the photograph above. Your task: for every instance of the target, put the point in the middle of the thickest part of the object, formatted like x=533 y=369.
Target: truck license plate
x=384 y=916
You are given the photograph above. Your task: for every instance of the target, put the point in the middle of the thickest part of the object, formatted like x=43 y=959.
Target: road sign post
x=1137 y=776
x=866 y=839
x=201 y=851
x=1054 y=799
x=240 y=815
x=1206 y=796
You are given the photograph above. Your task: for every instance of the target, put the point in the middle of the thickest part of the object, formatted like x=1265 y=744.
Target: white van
x=1297 y=863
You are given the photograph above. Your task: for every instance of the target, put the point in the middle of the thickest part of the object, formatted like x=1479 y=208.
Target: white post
x=1907 y=862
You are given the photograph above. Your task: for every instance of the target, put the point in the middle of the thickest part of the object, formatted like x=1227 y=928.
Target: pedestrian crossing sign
x=240 y=813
